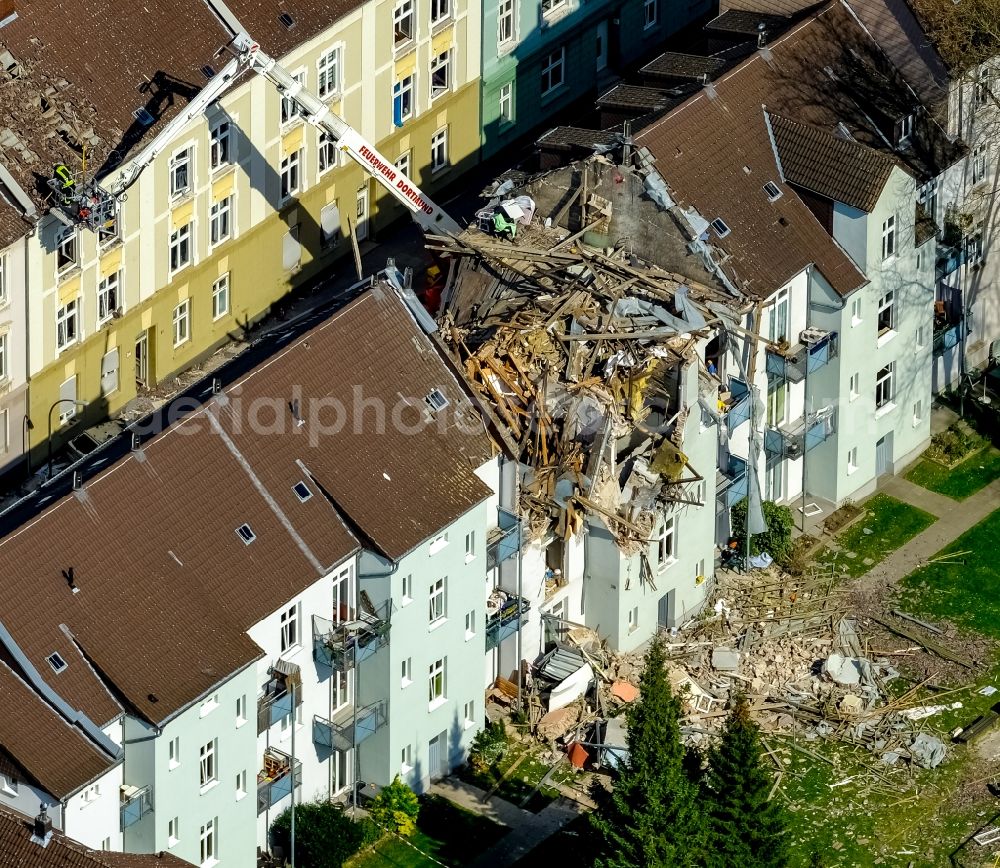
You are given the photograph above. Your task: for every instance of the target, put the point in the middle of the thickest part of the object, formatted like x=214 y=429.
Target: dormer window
x=246 y=534
x=773 y=192
x=720 y=227
x=56 y=662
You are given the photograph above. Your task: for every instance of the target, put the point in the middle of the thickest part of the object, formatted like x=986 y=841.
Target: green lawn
x=521 y=784
x=888 y=525
x=446 y=832
x=966 y=593
x=961 y=481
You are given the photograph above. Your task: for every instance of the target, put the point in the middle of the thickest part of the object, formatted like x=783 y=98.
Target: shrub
x=776 y=540
x=954 y=444
x=489 y=745
x=325 y=837
x=395 y=809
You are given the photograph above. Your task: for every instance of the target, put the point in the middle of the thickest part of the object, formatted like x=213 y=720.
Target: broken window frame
x=67 y=250
x=403 y=23
x=220 y=153
x=402 y=100
x=886 y=317
x=68 y=324
x=666 y=542
x=326 y=153
x=441 y=74
x=291 y=111
x=181 y=172
x=108 y=296
x=328 y=72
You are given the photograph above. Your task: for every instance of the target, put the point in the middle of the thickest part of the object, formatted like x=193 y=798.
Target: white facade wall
x=14 y=293
x=92 y=817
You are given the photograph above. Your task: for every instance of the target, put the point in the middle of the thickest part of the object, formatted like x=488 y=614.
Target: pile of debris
x=578 y=350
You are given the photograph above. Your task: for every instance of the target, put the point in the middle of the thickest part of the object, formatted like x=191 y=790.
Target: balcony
x=343 y=644
x=503 y=541
x=791 y=441
x=274 y=781
x=951 y=258
x=736 y=408
x=136 y=802
x=504 y=614
x=349 y=727
x=280 y=693
x=815 y=348
x=732 y=484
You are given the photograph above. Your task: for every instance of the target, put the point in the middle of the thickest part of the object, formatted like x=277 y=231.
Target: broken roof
x=830 y=165
x=19 y=850
x=190 y=586
x=57 y=756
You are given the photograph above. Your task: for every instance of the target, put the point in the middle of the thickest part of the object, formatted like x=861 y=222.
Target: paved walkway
x=527 y=830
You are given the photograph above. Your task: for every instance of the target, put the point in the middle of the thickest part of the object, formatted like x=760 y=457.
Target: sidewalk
x=527 y=830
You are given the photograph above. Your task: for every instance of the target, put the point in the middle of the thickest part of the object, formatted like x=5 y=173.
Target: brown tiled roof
x=830 y=165
x=577 y=137
x=674 y=64
x=715 y=153
x=82 y=72
x=166 y=587
x=630 y=96
x=59 y=757
x=746 y=23
x=310 y=17
x=17 y=850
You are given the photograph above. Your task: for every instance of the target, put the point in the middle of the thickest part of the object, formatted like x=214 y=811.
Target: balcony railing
x=508 y=611
x=737 y=407
x=951 y=258
x=793 y=440
x=345 y=644
x=503 y=541
x=349 y=727
x=280 y=693
x=814 y=350
x=732 y=483
x=136 y=802
x=275 y=780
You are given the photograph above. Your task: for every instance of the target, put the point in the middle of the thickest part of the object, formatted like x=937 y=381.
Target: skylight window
x=436 y=400
x=208 y=71
x=302 y=491
x=56 y=662
x=246 y=534
x=286 y=20
x=773 y=193
x=143 y=117
x=720 y=227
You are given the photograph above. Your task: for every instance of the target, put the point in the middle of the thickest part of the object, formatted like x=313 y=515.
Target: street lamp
x=54 y=405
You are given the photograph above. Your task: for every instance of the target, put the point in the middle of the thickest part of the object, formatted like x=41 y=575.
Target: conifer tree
x=652 y=817
x=745 y=828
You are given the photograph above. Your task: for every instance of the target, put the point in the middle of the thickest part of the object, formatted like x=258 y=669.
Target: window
x=928 y=197
x=67 y=399
x=666 y=549
x=106 y=844
x=438 y=543
x=220 y=146
x=852 y=460
x=470 y=624
x=505 y=22
x=440 y=74
x=856 y=311
x=290 y=175
x=439 y=150
x=470 y=545
x=436 y=400
x=889 y=238
x=974 y=246
x=245 y=533
x=329 y=224
x=67 y=324
x=206 y=763
x=3 y=357
x=553 y=70
x=209 y=705
x=289 y=628
x=92 y=793
x=180 y=173
x=406 y=673
x=180 y=248
x=290 y=110
x=56 y=661
x=904 y=129
x=241 y=785
x=182 y=322
x=777 y=402
x=436 y=602
x=67 y=250
x=173 y=831
x=981 y=94
x=174 y=752
x=440 y=9
x=778 y=317
x=402 y=100
x=328 y=71
x=918 y=412
x=649 y=14
x=435 y=681
x=720 y=227
x=469 y=713
x=110 y=230
x=980 y=163
x=3 y=279
x=327 y=153
x=407 y=589
x=883 y=385
x=550 y=6
x=402 y=23
x=855 y=385
x=4 y=430
x=241 y=710
x=886 y=312
x=219 y=224
x=406 y=760
x=403 y=163
x=920 y=338
x=8 y=784
x=208 y=843
x=108 y=297
x=633 y=619
x=772 y=191
x=506 y=100
x=302 y=491
x=220 y=297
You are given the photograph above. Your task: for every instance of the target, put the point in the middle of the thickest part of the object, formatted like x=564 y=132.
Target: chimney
x=42 y=827
x=761 y=34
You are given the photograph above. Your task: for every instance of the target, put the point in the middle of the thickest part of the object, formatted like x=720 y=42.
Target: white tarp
x=571 y=688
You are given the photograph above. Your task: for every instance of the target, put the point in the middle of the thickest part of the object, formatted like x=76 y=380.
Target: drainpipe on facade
x=292 y=771
x=805 y=409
